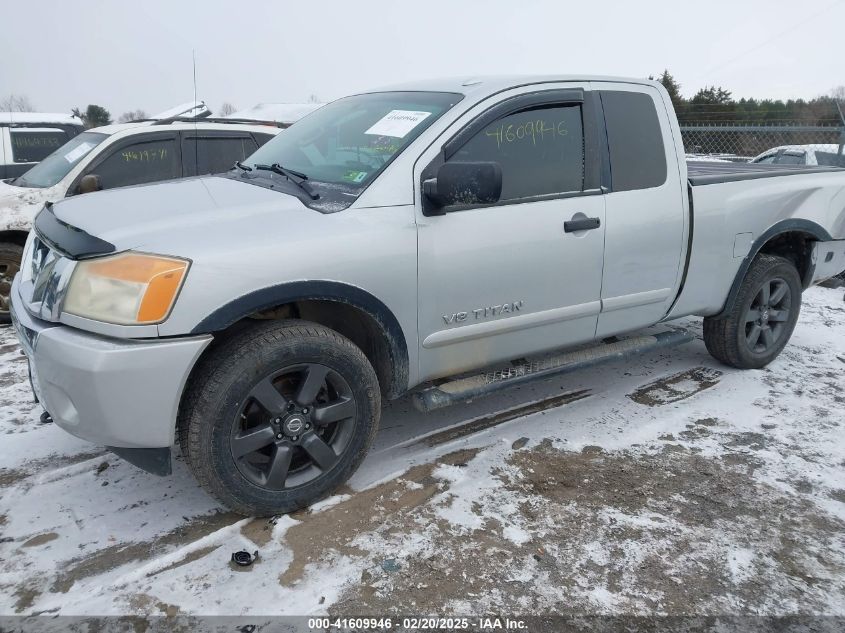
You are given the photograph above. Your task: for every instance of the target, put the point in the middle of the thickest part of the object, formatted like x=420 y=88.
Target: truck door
x=214 y=151
x=504 y=280
x=647 y=212
x=139 y=159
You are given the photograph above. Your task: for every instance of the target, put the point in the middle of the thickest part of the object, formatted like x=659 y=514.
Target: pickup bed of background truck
x=396 y=237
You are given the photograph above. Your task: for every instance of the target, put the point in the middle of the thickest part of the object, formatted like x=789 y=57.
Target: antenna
x=194 y=56
x=196 y=135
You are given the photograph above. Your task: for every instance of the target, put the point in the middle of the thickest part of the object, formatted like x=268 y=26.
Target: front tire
x=279 y=416
x=763 y=316
x=10 y=263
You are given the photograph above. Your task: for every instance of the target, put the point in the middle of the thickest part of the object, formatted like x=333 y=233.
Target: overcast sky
x=130 y=55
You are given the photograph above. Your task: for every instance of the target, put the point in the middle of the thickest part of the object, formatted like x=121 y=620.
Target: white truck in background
x=26 y=138
x=825 y=155
x=113 y=156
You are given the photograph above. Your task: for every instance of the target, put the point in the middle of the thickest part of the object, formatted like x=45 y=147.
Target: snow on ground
x=665 y=485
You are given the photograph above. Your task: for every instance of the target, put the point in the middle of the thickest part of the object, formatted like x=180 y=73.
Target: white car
x=826 y=155
x=26 y=138
x=117 y=156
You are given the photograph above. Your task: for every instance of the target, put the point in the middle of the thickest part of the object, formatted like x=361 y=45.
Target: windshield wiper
x=297 y=178
x=240 y=165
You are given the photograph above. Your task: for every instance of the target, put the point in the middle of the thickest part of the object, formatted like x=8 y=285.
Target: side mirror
x=462 y=183
x=89 y=183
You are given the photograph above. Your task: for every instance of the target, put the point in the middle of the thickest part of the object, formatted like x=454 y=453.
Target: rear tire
x=10 y=263
x=278 y=416
x=763 y=316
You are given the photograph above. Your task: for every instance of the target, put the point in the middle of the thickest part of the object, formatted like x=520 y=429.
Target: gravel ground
x=669 y=485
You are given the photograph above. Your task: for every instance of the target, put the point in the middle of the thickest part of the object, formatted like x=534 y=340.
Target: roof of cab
x=199 y=124
x=284 y=113
x=490 y=84
x=39 y=117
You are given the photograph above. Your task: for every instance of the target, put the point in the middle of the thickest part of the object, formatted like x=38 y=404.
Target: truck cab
x=825 y=154
x=26 y=138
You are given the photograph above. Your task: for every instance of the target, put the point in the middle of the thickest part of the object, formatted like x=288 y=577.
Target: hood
x=168 y=217
x=18 y=205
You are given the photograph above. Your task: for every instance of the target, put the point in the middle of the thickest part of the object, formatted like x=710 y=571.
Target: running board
x=470 y=387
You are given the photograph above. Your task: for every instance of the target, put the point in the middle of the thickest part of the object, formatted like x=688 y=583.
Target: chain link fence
x=779 y=144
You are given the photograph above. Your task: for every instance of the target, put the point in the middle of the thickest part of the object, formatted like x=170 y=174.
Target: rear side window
x=829 y=159
x=33 y=147
x=793 y=158
x=541 y=151
x=635 y=141
x=262 y=138
x=214 y=155
x=139 y=163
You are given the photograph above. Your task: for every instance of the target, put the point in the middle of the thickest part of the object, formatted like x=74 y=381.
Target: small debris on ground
x=390 y=565
x=521 y=442
x=244 y=558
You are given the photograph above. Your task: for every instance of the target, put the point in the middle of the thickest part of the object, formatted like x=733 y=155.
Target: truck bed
x=712 y=172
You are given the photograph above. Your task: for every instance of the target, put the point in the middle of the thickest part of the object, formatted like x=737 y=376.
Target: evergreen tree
x=672 y=87
x=94 y=116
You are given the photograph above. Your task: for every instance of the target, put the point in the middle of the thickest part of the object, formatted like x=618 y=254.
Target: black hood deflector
x=67 y=239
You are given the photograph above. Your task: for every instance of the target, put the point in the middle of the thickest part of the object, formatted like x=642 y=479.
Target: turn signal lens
x=126 y=289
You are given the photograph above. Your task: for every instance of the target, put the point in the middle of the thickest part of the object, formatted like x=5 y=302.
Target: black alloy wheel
x=767 y=318
x=294 y=426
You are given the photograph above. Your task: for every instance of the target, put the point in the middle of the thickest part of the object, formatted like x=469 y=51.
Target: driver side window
x=540 y=150
x=139 y=163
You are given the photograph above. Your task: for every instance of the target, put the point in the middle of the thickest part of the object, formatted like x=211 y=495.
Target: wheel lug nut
x=279 y=436
x=305 y=410
x=295 y=437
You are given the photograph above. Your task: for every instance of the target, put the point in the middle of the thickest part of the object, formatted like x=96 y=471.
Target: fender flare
x=272 y=296
x=809 y=227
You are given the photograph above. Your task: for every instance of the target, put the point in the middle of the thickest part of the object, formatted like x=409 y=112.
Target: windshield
x=58 y=164
x=346 y=144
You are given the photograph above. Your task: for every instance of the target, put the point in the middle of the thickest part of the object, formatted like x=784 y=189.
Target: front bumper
x=120 y=393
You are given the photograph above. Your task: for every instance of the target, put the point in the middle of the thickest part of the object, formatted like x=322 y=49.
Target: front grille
x=45 y=274
x=26 y=336
x=42 y=264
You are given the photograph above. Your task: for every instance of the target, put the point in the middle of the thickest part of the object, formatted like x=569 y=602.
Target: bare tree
x=227 y=108
x=838 y=95
x=16 y=103
x=313 y=99
x=132 y=115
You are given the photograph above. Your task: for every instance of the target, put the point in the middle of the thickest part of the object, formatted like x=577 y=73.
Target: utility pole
x=842 y=130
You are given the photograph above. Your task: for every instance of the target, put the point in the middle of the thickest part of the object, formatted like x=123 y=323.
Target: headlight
x=126 y=289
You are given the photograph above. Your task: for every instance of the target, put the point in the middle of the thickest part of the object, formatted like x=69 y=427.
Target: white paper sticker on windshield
x=78 y=152
x=397 y=123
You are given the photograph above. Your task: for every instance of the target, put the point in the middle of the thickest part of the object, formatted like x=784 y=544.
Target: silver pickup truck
x=391 y=238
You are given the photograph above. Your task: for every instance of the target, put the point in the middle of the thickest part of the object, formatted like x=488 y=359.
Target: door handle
x=581 y=224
